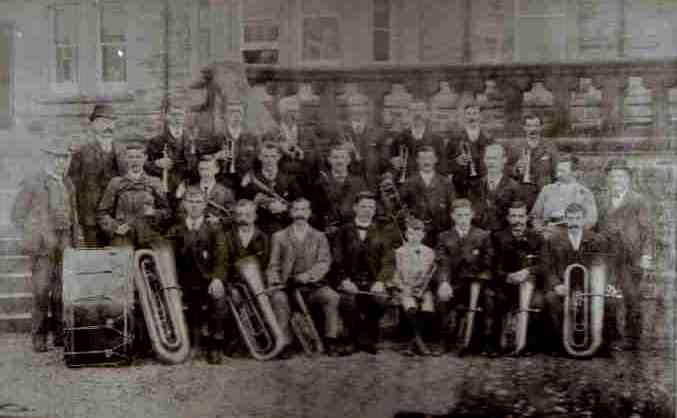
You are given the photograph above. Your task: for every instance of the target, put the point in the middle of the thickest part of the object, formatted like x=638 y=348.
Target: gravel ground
x=361 y=385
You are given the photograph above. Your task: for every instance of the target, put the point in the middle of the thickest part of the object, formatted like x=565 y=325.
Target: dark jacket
x=258 y=247
x=459 y=259
x=285 y=186
x=246 y=152
x=364 y=262
x=46 y=214
x=185 y=163
x=462 y=173
x=314 y=146
x=510 y=255
x=559 y=254
x=430 y=204
x=90 y=171
x=542 y=168
x=372 y=150
x=333 y=202
x=491 y=207
x=406 y=139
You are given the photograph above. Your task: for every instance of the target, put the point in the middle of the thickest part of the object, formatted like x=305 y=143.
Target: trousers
x=323 y=297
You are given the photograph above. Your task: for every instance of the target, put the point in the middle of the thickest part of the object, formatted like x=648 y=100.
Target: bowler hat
x=102 y=110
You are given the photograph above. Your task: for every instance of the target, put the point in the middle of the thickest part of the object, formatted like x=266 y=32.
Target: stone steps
x=16 y=298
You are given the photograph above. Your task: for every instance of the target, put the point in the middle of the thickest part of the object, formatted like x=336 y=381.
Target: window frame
x=563 y=18
x=259 y=45
x=10 y=27
x=323 y=61
x=110 y=87
x=67 y=88
x=391 y=33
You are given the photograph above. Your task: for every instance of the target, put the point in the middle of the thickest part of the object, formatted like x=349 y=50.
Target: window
x=381 y=30
x=260 y=41
x=320 y=32
x=6 y=105
x=112 y=43
x=65 y=30
x=203 y=34
x=540 y=30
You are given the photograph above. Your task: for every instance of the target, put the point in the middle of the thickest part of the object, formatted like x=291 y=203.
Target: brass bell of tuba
x=254 y=316
x=303 y=326
x=584 y=308
x=160 y=297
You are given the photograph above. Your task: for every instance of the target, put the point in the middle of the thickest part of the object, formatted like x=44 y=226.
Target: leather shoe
x=420 y=347
x=332 y=348
x=214 y=356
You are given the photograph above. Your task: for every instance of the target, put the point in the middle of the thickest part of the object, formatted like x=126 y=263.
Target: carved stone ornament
x=586 y=106
x=443 y=108
x=492 y=102
x=638 y=109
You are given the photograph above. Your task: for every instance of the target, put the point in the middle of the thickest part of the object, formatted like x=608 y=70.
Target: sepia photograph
x=338 y=208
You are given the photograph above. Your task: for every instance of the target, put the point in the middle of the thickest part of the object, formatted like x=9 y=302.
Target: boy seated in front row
x=201 y=265
x=413 y=269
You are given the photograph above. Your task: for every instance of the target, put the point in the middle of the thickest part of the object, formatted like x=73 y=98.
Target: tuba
x=160 y=297
x=254 y=316
x=584 y=308
x=303 y=326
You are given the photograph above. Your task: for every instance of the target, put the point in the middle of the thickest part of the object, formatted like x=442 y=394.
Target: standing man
x=428 y=195
x=539 y=155
x=45 y=211
x=362 y=263
x=410 y=140
x=625 y=221
x=334 y=192
x=554 y=198
x=300 y=259
x=92 y=168
x=493 y=192
x=365 y=142
x=466 y=149
x=134 y=209
x=238 y=147
x=271 y=189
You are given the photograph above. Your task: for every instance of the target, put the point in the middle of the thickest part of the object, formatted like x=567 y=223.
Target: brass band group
x=305 y=238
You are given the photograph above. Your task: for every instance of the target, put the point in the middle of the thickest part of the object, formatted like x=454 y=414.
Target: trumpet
x=404 y=158
x=465 y=150
x=229 y=154
x=526 y=157
x=165 y=171
x=251 y=178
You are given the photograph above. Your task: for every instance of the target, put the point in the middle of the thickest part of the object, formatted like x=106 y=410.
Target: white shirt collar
x=495 y=180
x=106 y=145
x=427 y=177
x=290 y=132
x=235 y=132
x=358 y=127
x=473 y=132
x=134 y=177
x=575 y=238
x=300 y=232
x=54 y=176
x=269 y=174
x=617 y=200
x=417 y=133
x=207 y=185
x=245 y=236
x=461 y=232
x=194 y=225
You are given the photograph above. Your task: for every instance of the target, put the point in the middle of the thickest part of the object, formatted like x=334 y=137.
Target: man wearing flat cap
x=625 y=220
x=45 y=211
x=92 y=168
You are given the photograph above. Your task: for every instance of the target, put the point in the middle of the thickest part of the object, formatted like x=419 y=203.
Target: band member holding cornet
x=271 y=189
x=201 y=266
x=464 y=255
x=570 y=243
x=535 y=160
x=403 y=148
x=626 y=222
x=134 y=209
x=93 y=165
x=220 y=199
x=45 y=212
x=334 y=192
x=493 y=192
x=518 y=259
x=362 y=264
x=428 y=195
x=237 y=147
x=414 y=268
x=466 y=149
x=548 y=211
x=300 y=258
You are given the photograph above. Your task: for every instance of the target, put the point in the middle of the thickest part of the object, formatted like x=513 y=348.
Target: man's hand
x=561 y=290
x=122 y=229
x=277 y=206
x=164 y=163
x=445 y=292
x=216 y=289
x=302 y=278
x=348 y=286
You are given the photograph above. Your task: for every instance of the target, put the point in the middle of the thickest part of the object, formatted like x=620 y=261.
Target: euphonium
x=160 y=296
x=475 y=287
x=254 y=315
x=304 y=327
x=584 y=308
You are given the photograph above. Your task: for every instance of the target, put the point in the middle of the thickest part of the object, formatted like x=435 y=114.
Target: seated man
x=464 y=254
x=362 y=261
x=300 y=259
x=220 y=199
x=134 y=208
x=201 y=266
x=518 y=259
x=570 y=244
x=414 y=265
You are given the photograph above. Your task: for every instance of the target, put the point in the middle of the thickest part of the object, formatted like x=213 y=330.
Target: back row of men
x=466 y=197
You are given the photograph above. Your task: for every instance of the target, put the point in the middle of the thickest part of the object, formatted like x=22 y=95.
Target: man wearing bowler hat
x=45 y=211
x=93 y=166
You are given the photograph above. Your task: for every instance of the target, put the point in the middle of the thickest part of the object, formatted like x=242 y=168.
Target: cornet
x=229 y=154
x=465 y=150
x=404 y=159
x=526 y=157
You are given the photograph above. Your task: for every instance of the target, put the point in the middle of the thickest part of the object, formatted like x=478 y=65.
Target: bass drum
x=98 y=303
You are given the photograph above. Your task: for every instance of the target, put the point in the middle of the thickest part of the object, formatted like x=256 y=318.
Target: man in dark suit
x=363 y=262
x=540 y=155
x=45 y=212
x=428 y=195
x=201 y=265
x=569 y=244
x=271 y=189
x=626 y=222
x=220 y=198
x=92 y=168
x=368 y=151
x=464 y=254
x=518 y=258
x=334 y=192
x=466 y=149
x=300 y=258
x=493 y=192
x=412 y=138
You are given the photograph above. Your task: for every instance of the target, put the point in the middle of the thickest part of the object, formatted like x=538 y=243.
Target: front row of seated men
x=353 y=278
